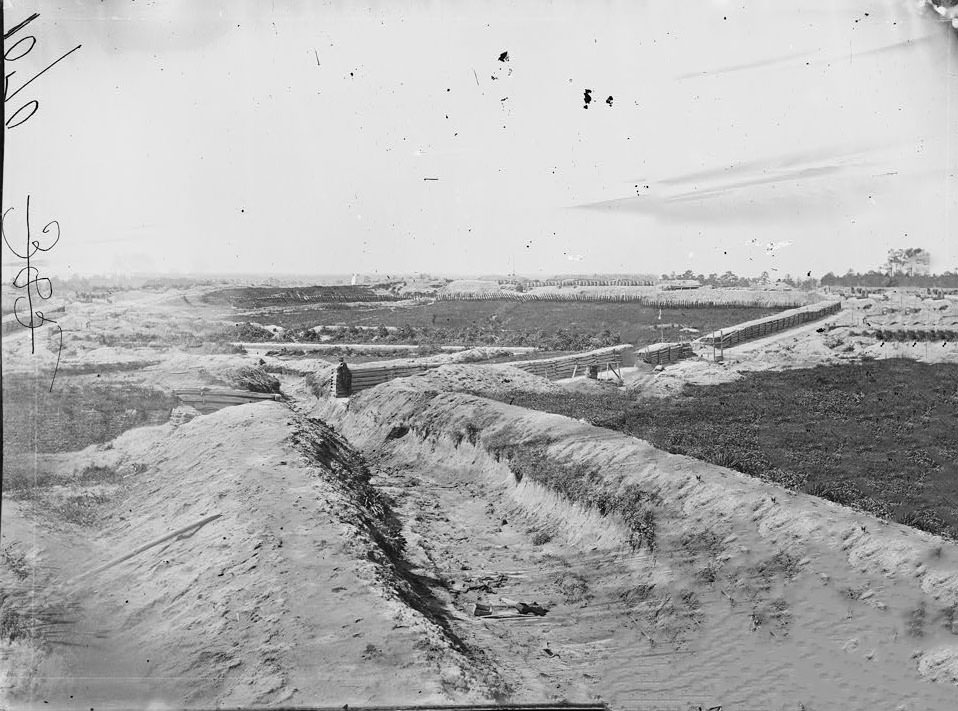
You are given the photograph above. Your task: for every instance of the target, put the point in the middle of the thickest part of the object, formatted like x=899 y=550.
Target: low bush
x=253 y=378
x=540 y=538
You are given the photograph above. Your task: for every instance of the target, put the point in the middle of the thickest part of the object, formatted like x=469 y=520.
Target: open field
x=651 y=296
x=455 y=322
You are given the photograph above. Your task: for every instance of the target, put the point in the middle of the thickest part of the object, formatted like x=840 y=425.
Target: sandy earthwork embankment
x=295 y=595
x=752 y=596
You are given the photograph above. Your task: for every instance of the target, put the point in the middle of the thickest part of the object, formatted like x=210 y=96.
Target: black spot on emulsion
x=587 y=98
x=609 y=101
x=504 y=57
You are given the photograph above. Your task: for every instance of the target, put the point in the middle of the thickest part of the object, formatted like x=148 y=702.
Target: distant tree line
x=875 y=279
x=730 y=279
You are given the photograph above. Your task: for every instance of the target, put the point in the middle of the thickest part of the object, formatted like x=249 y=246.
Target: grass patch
x=75 y=415
x=24 y=483
x=81 y=509
x=34 y=612
x=76 y=499
x=105 y=368
x=881 y=436
x=589 y=487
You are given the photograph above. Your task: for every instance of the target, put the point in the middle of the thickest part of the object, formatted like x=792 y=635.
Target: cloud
x=815 y=186
x=790 y=58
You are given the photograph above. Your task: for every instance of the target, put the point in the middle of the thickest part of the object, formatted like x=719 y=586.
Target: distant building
x=913 y=261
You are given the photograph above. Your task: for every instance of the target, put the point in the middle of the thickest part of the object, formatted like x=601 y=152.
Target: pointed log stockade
x=662 y=300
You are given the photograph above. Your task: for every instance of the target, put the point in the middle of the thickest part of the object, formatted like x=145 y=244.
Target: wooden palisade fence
x=759 y=328
x=660 y=301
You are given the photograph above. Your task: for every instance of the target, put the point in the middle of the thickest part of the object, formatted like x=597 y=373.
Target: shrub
x=541 y=538
x=924 y=519
x=16 y=562
x=249 y=332
x=253 y=378
x=572 y=586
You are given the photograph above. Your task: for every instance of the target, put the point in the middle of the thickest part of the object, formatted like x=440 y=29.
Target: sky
x=242 y=136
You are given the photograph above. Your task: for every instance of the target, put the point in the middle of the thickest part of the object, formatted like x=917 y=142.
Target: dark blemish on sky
x=587 y=98
x=504 y=57
x=609 y=101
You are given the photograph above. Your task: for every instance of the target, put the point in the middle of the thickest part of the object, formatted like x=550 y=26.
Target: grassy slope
x=75 y=415
x=882 y=436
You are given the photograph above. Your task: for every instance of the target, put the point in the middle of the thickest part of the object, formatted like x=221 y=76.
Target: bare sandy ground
x=292 y=596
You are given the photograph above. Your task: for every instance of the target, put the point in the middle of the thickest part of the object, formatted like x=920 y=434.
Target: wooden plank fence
x=663 y=353
x=208 y=400
x=750 y=330
x=369 y=375
x=569 y=366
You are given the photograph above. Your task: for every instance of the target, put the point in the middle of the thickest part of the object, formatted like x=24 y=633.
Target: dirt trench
x=356 y=539
x=745 y=595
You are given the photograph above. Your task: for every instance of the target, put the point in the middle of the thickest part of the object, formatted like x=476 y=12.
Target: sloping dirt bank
x=297 y=594
x=668 y=580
